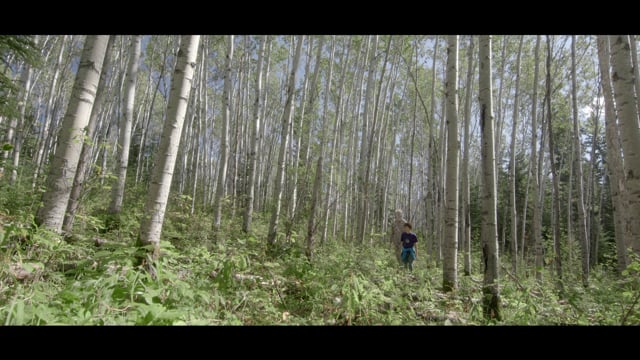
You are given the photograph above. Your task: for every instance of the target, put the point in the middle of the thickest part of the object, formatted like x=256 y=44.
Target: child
x=408 y=241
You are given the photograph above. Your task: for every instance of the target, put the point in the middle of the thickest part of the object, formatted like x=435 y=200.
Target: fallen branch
x=514 y=278
x=635 y=301
x=242 y=277
x=277 y=289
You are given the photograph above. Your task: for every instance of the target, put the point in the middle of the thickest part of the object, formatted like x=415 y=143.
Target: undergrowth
x=45 y=280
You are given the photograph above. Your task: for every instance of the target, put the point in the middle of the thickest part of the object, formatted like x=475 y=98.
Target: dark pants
x=408 y=256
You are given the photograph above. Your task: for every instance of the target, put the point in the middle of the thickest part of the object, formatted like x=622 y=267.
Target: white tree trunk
x=284 y=141
x=432 y=182
x=582 y=212
x=294 y=199
x=512 y=165
x=615 y=172
x=65 y=161
x=144 y=137
x=85 y=154
x=124 y=138
x=555 y=221
x=350 y=212
x=255 y=131
x=441 y=173
x=156 y=201
x=260 y=199
x=489 y=230
x=16 y=125
x=201 y=112
x=410 y=215
x=450 y=259
x=315 y=199
x=224 y=141
x=623 y=88
x=25 y=78
x=465 y=219
x=296 y=145
x=636 y=71
x=539 y=245
x=44 y=132
x=592 y=203
x=500 y=120
x=535 y=168
x=338 y=136
x=317 y=183
x=365 y=154
x=313 y=94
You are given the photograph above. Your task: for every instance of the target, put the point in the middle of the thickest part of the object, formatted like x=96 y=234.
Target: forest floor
x=45 y=280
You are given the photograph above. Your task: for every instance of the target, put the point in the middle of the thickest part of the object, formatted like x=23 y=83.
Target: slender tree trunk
x=512 y=165
x=315 y=198
x=156 y=200
x=145 y=110
x=260 y=200
x=49 y=113
x=17 y=124
x=255 y=130
x=304 y=129
x=65 y=160
x=466 y=208
x=499 y=113
x=317 y=184
x=203 y=152
x=144 y=138
x=85 y=155
x=365 y=157
x=237 y=124
x=374 y=145
x=412 y=145
x=200 y=113
x=50 y=143
x=582 y=213
x=295 y=200
x=569 y=212
x=336 y=138
x=636 y=71
x=431 y=176
x=623 y=89
x=539 y=245
x=302 y=151
x=489 y=230
x=284 y=140
x=124 y=138
x=450 y=259
x=535 y=170
x=13 y=122
x=593 y=230
x=554 y=173
x=614 y=167
x=441 y=185
x=354 y=177
x=224 y=141
x=325 y=111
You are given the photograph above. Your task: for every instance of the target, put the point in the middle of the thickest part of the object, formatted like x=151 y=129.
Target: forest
x=266 y=179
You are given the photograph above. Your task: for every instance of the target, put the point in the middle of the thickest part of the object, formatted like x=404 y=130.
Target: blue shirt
x=408 y=239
